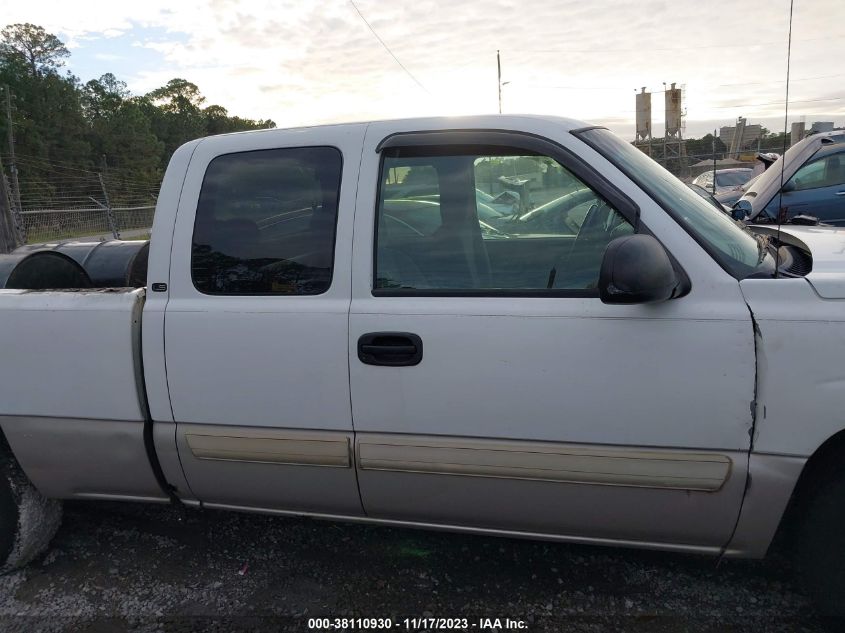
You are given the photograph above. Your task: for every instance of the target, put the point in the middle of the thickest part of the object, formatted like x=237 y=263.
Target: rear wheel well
x=826 y=464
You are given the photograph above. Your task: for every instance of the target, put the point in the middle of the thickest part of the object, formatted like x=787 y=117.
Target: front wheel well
x=827 y=463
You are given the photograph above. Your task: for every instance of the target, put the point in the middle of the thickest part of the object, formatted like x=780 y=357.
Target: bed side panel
x=71 y=404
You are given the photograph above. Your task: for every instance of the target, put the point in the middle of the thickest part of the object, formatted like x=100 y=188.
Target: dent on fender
x=800 y=373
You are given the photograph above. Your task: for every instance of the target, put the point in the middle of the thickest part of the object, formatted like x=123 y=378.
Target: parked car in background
x=504 y=203
x=723 y=180
x=730 y=196
x=507 y=202
x=563 y=215
x=813 y=175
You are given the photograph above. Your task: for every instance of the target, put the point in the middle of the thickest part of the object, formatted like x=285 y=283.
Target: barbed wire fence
x=59 y=201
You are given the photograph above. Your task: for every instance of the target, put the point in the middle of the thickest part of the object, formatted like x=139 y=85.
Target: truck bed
x=71 y=354
x=72 y=403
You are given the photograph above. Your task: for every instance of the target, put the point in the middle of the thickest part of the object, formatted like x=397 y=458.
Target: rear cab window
x=266 y=222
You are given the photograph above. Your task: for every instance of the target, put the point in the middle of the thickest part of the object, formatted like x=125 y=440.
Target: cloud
x=302 y=62
x=108 y=57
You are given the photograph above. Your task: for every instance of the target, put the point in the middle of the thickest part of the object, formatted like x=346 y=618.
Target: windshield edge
x=724 y=263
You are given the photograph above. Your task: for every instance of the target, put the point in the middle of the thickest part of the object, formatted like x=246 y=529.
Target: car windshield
x=736 y=249
x=732 y=178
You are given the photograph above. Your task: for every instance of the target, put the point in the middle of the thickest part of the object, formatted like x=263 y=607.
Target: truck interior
x=439 y=235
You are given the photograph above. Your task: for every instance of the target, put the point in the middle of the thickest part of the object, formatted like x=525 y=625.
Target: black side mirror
x=741 y=210
x=636 y=269
x=788 y=186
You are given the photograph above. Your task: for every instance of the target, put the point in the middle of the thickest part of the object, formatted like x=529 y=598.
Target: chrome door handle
x=840 y=193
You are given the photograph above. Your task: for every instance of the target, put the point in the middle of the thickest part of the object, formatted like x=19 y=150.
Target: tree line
x=99 y=124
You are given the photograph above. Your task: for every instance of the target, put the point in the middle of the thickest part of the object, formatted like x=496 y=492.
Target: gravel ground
x=122 y=567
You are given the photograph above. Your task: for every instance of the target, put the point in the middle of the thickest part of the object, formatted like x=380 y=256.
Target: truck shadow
x=130 y=567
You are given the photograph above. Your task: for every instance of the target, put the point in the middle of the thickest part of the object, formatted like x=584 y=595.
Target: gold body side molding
x=272 y=447
x=537 y=461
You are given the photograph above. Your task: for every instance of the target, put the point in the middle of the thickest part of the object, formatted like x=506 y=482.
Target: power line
x=779 y=81
x=386 y=47
x=698 y=85
x=750 y=105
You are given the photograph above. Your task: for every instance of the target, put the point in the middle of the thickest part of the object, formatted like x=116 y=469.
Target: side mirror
x=636 y=269
x=741 y=210
x=788 y=186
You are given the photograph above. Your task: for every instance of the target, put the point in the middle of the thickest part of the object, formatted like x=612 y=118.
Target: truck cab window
x=265 y=222
x=489 y=221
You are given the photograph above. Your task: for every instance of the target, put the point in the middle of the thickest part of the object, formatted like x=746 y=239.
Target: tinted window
x=471 y=221
x=734 y=178
x=265 y=222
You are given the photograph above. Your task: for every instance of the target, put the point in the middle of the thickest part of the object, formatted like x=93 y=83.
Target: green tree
x=103 y=96
x=774 y=142
x=218 y=121
x=47 y=119
x=121 y=135
x=178 y=96
x=125 y=138
x=699 y=149
x=56 y=119
x=41 y=51
x=175 y=114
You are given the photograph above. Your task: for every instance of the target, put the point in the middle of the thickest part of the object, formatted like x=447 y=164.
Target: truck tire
x=820 y=548
x=28 y=520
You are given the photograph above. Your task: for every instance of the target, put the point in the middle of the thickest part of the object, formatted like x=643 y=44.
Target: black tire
x=820 y=547
x=28 y=520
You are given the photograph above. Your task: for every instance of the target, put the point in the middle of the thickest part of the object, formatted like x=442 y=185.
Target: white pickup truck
x=343 y=322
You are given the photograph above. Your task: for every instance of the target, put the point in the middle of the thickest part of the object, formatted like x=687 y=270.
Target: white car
x=645 y=374
x=724 y=180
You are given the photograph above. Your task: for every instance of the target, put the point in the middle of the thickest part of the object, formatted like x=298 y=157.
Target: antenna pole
x=499 y=69
x=713 y=187
x=783 y=155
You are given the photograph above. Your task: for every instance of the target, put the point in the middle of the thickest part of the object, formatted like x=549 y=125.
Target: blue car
x=813 y=184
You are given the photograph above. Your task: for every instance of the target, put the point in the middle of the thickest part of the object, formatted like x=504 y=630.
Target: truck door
x=256 y=323
x=491 y=387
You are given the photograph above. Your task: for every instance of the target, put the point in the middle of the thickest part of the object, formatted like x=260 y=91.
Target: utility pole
x=108 y=209
x=713 y=187
x=499 y=68
x=13 y=167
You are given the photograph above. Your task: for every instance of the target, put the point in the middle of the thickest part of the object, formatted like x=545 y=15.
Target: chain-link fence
x=53 y=201
x=45 y=225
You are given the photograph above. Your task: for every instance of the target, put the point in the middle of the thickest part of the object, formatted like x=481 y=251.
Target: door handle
x=840 y=193
x=390 y=349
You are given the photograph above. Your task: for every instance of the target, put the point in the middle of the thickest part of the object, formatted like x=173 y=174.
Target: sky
x=304 y=63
